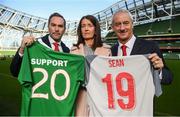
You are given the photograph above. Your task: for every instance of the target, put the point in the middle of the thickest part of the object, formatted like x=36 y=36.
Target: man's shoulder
x=44 y=41
x=143 y=39
x=115 y=46
x=45 y=37
x=64 y=47
x=146 y=42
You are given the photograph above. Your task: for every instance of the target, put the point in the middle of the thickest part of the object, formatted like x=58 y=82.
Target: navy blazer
x=142 y=46
x=17 y=60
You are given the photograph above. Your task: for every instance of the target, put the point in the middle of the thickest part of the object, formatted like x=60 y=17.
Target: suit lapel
x=46 y=40
x=64 y=48
x=114 y=49
x=137 y=47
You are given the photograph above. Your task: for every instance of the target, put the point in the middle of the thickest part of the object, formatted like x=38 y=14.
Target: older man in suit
x=56 y=28
x=128 y=44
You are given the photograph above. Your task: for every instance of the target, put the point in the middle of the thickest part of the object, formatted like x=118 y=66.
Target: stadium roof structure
x=143 y=11
x=15 y=24
x=28 y=23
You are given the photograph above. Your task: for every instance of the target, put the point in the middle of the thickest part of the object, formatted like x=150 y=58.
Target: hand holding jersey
x=120 y=86
x=26 y=41
x=50 y=81
x=156 y=61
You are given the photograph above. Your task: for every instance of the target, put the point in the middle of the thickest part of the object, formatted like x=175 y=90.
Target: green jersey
x=50 y=81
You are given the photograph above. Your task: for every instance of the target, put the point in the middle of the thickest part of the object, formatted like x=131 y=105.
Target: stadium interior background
x=157 y=20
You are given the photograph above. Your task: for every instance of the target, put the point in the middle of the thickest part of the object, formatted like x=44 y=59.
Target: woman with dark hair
x=89 y=43
x=89 y=38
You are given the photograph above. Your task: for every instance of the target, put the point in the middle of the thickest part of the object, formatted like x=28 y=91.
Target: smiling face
x=56 y=28
x=122 y=25
x=87 y=29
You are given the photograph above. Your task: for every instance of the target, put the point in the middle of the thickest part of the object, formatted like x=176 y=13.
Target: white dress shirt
x=52 y=45
x=129 y=46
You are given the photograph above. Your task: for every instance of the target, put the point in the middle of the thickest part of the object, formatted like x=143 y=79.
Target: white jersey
x=120 y=86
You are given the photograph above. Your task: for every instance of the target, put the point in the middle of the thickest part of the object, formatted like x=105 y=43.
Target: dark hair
x=56 y=15
x=97 y=35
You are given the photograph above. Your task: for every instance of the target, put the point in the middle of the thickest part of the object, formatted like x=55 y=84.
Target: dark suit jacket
x=142 y=46
x=17 y=60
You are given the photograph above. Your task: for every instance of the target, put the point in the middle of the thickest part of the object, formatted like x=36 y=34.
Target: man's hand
x=26 y=41
x=156 y=60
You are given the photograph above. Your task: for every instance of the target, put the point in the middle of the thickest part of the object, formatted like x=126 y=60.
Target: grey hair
x=122 y=11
